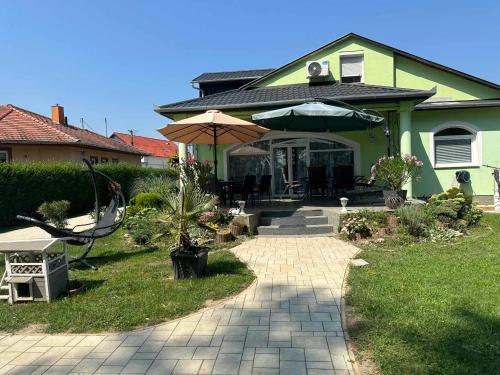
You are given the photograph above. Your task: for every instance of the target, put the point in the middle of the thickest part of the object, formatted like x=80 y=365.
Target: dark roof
x=395 y=50
x=293 y=94
x=18 y=125
x=458 y=104
x=232 y=76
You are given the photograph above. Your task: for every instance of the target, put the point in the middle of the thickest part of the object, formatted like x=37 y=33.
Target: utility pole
x=106 y=125
x=131 y=131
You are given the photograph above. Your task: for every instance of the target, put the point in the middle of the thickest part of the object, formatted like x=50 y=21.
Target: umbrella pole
x=215 y=159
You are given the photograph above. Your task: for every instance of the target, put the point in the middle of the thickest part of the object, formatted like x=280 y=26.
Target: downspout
x=200 y=90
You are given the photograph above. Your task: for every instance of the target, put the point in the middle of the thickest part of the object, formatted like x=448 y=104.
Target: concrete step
x=4 y=297
x=4 y=287
x=291 y=213
x=294 y=230
x=294 y=220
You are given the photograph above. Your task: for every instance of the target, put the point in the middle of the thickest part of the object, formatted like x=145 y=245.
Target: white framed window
x=4 y=156
x=455 y=144
x=351 y=67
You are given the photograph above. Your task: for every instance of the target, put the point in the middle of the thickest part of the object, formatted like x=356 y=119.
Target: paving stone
x=121 y=356
x=227 y=364
x=91 y=340
x=162 y=367
x=292 y=354
x=137 y=366
x=200 y=341
x=266 y=360
x=206 y=353
x=292 y=368
x=317 y=355
x=177 y=353
x=88 y=365
x=109 y=370
x=58 y=370
x=206 y=366
x=232 y=347
x=309 y=342
x=187 y=366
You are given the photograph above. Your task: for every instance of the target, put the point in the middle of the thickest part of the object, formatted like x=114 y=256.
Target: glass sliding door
x=286 y=158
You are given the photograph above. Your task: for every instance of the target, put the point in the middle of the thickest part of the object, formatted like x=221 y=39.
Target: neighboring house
x=28 y=136
x=159 y=150
x=448 y=119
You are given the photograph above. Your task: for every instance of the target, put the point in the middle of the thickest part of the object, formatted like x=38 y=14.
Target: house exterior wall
x=378 y=65
x=154 y=162
x=27 y=153
x=435 y=180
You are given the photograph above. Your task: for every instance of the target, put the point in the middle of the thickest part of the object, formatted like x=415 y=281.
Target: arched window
x=455 y=145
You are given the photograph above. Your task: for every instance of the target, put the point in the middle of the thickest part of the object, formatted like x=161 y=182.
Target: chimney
x=58 y=114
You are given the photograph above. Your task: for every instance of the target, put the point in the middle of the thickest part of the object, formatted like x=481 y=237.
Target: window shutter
x=453 y=151
x=352 y=66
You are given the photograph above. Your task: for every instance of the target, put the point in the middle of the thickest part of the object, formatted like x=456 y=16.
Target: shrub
x=443 y=234
x=355 y=226
x=398 y=170
x=55 y=212
x=147 y=200
x=416 y=220
x=25 y=186
x=143 y=226
x=161 y=185
x=454 y=209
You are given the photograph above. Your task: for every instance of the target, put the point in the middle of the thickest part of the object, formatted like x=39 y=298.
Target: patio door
x=289 y=163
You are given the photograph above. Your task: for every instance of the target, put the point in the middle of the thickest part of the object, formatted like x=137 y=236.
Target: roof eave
x=461 y=104
x=418 y=96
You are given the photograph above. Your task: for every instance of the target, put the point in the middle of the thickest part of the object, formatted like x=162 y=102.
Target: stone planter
x=394 y=198
x=188 y=264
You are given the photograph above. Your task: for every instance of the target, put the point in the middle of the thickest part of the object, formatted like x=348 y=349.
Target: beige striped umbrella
x=212 y=128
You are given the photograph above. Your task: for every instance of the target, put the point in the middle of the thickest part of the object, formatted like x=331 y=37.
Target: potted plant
x=184 y=210
x=396 y=171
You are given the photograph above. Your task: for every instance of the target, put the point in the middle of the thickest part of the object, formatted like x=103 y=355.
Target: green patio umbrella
x=318 y=117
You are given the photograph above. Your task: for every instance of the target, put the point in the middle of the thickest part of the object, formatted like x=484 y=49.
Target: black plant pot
x=394 y=198
x=188 y=264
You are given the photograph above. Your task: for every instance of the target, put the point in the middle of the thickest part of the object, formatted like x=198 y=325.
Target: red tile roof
x=156 y=147
x=18 y=125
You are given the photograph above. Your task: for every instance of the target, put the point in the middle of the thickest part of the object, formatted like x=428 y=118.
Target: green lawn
x=133 y=287
x=430 y=308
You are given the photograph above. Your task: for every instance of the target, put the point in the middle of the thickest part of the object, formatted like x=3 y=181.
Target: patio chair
x=343 y=178
x=317 y=180
x=291 y=186
x=105 y=224
x=354 y=187
x=264 y=187
x=248 y=188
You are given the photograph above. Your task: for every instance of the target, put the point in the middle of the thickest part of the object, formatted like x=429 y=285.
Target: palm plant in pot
x=396 y=171
x=184 y=210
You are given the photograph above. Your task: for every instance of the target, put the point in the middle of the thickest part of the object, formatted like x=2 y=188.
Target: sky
x=117 y=59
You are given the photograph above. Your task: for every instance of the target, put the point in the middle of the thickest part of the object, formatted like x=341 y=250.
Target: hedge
x=25 y=186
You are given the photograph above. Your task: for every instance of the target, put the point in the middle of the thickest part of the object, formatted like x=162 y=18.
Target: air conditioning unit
x=317 y=68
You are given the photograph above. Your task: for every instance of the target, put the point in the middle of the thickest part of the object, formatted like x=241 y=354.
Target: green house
x=449 y=119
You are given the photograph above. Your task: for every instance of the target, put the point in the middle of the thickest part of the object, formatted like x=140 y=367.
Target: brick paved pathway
x=288 y=322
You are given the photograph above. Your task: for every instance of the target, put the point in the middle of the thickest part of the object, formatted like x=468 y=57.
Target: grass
x=430 y=308
x=133 y=287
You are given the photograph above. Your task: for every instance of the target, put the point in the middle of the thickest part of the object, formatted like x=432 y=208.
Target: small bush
x=355 y=226
x=147 y=200
x=416 y=220
x=454 y=209
x=55 y=212
x=143 y=226
x=444 y=234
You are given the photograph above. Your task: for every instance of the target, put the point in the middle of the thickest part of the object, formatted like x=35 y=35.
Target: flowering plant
x=197 y=171
x=354 y=226
x=398 y=170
